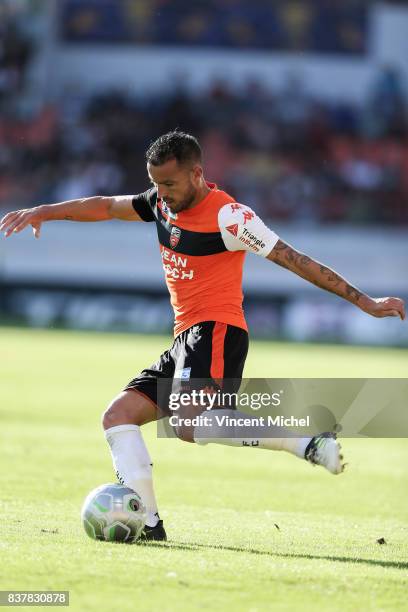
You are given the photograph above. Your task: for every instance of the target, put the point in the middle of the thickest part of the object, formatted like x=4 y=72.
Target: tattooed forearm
x=353 y=293
x=313 y=271
x=343 y=289
x=284 y=255
x=331 y=276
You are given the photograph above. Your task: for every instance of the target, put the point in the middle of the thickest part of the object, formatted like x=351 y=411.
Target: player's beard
x=185 y=203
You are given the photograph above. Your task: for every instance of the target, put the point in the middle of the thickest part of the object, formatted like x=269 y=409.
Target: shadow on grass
x=195 y=546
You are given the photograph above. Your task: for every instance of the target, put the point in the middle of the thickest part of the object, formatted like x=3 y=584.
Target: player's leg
x=228 y=351
x=129 y=407
x=134 y=407
x=122 y=422
x=319 y=450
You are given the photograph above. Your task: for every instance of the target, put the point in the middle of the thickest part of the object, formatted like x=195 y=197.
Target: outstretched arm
x=97 y=208
x=320 y=275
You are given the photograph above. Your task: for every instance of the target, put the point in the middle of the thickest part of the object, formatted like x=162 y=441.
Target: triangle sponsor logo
x=233 y=229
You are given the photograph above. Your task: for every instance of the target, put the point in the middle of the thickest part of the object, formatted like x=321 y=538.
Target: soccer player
x=204 y=235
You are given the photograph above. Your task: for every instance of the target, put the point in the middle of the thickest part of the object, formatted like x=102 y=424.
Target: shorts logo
x=175 y=236
x=233 y=229
x=183 y=374
x=235 y=207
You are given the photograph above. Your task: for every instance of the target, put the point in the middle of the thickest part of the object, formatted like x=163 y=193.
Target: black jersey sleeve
x=144 y=203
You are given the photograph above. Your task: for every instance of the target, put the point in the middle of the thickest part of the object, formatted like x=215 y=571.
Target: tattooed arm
x=325 y=278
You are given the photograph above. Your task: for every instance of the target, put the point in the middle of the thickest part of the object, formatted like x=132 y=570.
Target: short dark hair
x=174 y=145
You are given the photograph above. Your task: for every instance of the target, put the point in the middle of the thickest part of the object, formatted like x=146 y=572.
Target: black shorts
x=213 y=353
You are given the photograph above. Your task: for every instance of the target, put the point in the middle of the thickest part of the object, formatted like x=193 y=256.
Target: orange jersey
x=203 y=271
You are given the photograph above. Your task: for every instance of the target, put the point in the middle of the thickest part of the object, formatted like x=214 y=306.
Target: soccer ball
x=113 y=513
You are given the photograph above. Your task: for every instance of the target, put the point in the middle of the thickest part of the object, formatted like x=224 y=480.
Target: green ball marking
x=100 y=507
x=112 y=532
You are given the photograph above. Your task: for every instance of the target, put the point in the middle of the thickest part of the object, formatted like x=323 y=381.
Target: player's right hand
x=17 y=220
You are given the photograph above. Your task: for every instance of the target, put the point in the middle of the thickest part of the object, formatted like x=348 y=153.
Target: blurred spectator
x=385 y=113
x=16 y=50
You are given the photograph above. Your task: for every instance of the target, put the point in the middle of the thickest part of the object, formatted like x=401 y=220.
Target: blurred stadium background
x=302 y=110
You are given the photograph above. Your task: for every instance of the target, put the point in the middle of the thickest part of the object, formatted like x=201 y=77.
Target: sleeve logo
x=248 y=215
x=233 y=229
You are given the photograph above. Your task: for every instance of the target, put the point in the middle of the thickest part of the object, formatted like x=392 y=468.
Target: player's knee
x=184 y=433
x=115 y=414
x=125 y=409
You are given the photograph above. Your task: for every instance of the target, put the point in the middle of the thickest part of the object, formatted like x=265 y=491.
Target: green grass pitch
x=220 y=504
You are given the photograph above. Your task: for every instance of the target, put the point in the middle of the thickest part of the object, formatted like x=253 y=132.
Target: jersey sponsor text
x=175 y=265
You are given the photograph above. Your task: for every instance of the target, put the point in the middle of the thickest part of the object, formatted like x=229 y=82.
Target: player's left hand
x=384 y=307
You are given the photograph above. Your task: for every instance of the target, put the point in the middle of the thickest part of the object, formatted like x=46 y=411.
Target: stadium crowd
x=288 y=155
x=292 y=157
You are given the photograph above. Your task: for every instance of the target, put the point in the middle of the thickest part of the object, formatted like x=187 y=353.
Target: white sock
x=269 y=437
x=133 y=465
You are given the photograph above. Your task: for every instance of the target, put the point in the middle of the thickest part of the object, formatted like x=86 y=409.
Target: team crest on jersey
x=233 y=229
x=175 y=236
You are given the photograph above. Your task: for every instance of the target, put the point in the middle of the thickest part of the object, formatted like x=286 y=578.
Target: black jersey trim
x=189 y=242
x=144 y=203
